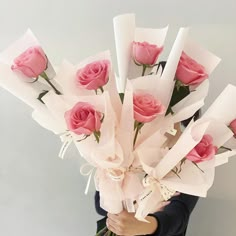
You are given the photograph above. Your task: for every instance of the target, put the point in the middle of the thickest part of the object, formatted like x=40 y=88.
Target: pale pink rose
x=203 y=151
x=83 y=119
x=146 y=107
x=145 y=53
x=232 y=126
x=94 y=75
x=189 y=72
x=31 y=62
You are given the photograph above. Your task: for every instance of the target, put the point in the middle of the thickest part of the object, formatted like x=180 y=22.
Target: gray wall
x=43 y=195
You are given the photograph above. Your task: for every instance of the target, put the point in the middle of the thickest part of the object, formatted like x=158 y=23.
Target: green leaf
x=122 y=95
x=180 y=92
x=41 y=95
x=97 y=135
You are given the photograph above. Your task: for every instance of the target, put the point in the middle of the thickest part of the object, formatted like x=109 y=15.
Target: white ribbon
x=165 y=192
x=67 y=139
x=87 y=170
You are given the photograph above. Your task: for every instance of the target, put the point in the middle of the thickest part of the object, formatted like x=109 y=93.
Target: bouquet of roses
x=132 y=136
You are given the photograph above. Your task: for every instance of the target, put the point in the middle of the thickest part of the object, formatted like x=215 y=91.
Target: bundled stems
x=44 y=75
x=105 y=232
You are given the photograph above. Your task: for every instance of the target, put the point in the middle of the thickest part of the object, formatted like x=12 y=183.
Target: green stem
x=44 y=75
x=197 y=166
x=101 y=231
x=79 y=140
x=137 y=126
x=144 y=69
x=176 y=173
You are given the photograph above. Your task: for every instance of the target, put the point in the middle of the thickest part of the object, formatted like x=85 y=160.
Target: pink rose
x=145 y=53
x=83 y=119
x=94 y=75
x=146 y=107
x=31 y=63
x=203 y=151
x=232 y=126
x=189 y=72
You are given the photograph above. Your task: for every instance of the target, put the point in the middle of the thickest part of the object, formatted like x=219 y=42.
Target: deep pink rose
x=145 y=53
x=189 y=72
x=94 y=75
x=31 y=62
x=232 y=126
x=146 y=107
x=203 y=151
x=83 y=119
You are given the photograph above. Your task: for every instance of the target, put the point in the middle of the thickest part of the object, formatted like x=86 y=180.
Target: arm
x=174 y=219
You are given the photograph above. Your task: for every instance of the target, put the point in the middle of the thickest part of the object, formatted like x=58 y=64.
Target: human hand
x=125 y=223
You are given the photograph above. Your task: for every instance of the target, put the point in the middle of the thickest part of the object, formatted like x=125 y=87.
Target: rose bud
x=31 y=62
x=145 y=53
x=83 y=119
x=94 y=75
x=203 y=151
x=189 y=72
x=146 y=107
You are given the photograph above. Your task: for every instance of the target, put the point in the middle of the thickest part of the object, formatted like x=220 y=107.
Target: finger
x=112 y=228
x=114 y=217
x=113 y=221
x=176 y=194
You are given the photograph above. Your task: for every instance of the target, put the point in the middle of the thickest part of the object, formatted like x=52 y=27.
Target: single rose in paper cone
x=145 y=53
x=203 y=151
x=31 y=63
x=232 y=126
x=189 y=72
x=83 y=119
x=146 y=107
x=94 y=75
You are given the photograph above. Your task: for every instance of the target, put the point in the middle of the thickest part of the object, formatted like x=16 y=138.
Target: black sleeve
x=99 y=210
x=173 y=220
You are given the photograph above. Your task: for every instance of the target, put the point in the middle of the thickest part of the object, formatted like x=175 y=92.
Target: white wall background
x=42 y=195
